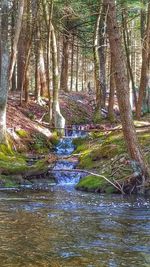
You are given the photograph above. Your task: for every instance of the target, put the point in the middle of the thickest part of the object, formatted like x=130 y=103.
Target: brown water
x=62 y=227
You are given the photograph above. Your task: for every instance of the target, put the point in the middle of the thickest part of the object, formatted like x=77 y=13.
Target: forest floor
x=102 y=152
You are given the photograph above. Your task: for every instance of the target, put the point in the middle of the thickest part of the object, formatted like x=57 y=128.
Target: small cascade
x=65 y=147
x=66 y=177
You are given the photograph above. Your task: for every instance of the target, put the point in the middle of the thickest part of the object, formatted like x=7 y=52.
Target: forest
x=74 y=133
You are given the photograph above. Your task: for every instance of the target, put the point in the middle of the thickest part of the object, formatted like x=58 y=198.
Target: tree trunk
x=122 y=89
x=111 y=93
x=101 y=54
x=16 y=38
x=72 y=64
x=77 y=68
x=97 y=65
x=64 y=66
x=144 y=68
x=127 y=45
x=48 y=13
x=58 y=119
x=4 y=81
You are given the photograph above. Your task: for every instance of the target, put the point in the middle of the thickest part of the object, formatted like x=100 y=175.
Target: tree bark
x=126 y=45
x=4 y=81
x=72 y=64
x=122 y=89
x=97 y=65
x=77 y=68
x=58 y=120
x=65 y=63
x=101 y=54
x=16 y=38
x=111 y=93
x=144 y=68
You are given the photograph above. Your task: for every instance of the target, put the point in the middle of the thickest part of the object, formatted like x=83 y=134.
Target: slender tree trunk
x=65 y=64
x=58 y=120
x=96 y=65
x=127 y=45
x=101 y=54
x=42 y=71
x=144 y=68
x=16 y=38
x=77 y=68
x=72 y=64
x=122 y=89
x=48 y=13
x=111 y=93
x=37 y=76
x=4 y=78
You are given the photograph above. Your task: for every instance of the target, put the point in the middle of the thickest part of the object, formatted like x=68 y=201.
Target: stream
x=57 y=226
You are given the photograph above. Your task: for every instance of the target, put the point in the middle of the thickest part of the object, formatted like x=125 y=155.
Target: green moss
x=54 y=138
x=40 y=144
x=6 y=149
x=40 y=165
x=22 y=133
x=90 y=182
x=86 y=162
x=93 y=183
x=105 y=151
x=144 y=139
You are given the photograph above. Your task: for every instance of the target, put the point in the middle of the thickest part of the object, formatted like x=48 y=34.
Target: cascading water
x=65 y=147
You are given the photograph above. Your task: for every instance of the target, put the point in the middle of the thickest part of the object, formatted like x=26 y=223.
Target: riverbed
x=52 y=225
x=60 y=226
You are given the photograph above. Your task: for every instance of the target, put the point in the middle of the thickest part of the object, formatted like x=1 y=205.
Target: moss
x=40 y=165
x=40 y=144
x=90 y=182
x=144 y=139
x=86 y=162
x=93 y=183
x=6 y=149
x=22 y=133
x=54 y=138
x=105 y=151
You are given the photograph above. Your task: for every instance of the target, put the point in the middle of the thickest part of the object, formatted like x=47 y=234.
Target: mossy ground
x=106 y=154
x=13 y=163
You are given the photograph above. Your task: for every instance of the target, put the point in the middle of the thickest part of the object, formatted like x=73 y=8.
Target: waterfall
x=65 y=147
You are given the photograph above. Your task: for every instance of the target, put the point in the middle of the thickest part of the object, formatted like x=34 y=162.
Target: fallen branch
x=91 y=173
x=99 y=129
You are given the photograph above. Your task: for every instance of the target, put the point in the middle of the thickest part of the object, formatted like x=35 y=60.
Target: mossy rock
x=93 y=183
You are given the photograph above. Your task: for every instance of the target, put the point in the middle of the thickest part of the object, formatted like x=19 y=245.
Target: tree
x=6 y=64
x=122 y=89
x=58 y=119
x=144 y=68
